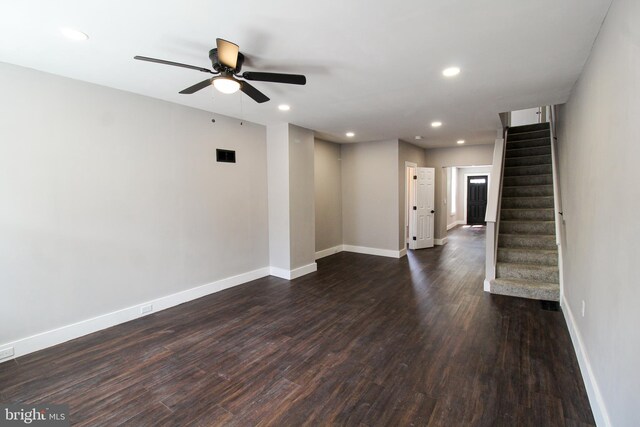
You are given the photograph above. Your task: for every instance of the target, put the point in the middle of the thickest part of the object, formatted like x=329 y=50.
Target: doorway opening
x=456 y=192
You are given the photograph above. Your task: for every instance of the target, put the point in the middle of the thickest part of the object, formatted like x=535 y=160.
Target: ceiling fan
x=227 y=63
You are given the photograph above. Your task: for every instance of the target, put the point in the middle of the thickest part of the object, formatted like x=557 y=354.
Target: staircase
x=527 y=259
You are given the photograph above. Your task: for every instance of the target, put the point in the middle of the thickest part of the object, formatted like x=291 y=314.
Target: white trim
x=68 y=332
x=329 y=251
x=304 y=270
x=282 y=273
x=440 y=242
x=593 y=391
x=374 y=251
x=407 y=211
x=455 y=224
x=295 y=273
x=487 y=285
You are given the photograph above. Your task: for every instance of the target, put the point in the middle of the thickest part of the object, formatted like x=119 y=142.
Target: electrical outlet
x=146 y=309
x=583 y=307
x=6 y=352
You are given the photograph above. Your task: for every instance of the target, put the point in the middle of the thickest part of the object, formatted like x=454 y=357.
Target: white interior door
x=424 y=208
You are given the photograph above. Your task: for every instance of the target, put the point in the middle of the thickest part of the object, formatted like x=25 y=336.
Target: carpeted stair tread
x=514 y=153
x=546 y=214
x=543 y=169
x=527 y=190
x=526 y=289
x=516 y=180
x=523 y=136
x=535 y=272
x=529 y=143
x=528 y=256
x=534 y=241
x=529 y=128
x=531 y=202
x=544 y=159
x=528 y=227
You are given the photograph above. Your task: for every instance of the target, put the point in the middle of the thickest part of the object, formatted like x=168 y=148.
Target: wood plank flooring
x=365 y=341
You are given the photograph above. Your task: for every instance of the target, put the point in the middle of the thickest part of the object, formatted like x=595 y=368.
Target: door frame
x=466 y=188
x=408 y=178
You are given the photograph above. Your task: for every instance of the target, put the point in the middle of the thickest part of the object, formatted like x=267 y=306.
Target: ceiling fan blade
x=196 y=87
x=254 y=93
x=227 y=53
x=294 y=79
x=175 y=64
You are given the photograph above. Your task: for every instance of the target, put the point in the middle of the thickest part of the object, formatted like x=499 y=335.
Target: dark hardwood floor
x=364 y=341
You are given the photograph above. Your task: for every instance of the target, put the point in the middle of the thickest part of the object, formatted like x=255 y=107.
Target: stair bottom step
x=526 y=289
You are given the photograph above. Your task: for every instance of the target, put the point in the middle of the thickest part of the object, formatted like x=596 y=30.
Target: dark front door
x=476 y=199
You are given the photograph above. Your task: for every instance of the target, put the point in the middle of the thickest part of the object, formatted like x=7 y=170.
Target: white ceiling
x=372 y=67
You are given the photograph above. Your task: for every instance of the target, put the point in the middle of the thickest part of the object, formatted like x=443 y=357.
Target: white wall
x=599 y=151
x=370 y=194
x=109 y=199
x=328 y=195
x=525 y=117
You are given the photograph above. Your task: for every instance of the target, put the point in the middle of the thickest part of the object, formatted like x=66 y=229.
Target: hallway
x=364 y=341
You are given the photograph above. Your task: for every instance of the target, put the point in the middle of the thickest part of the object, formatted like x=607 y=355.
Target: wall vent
x=226 y=156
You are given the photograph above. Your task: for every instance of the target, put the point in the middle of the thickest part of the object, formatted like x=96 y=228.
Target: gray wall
x=406 y=153
x=328 y=195
x=301 y=196
x=370 y=194
x=599 y=151
x=278 y=192
x=110 y=199
x=440 y=158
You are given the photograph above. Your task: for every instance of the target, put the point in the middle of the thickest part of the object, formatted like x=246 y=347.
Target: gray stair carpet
x=527 y=264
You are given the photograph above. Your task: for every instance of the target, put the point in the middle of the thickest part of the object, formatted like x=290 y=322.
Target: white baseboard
x=295 y=273
x=440 y=242
x=374 y=251
x=487 y=285
x=403 y=252
x=593 y=391
x=65 y=333
x=330 y=251
x=455 y=224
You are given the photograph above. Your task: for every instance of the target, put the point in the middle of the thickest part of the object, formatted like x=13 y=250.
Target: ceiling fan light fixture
x=226 y=85
x=284 y=107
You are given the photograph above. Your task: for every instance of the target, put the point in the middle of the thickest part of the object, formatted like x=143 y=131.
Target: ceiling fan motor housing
x=213 y=56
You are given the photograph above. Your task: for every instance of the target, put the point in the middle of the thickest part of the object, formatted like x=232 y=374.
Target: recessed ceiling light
x=461 y=141
x=72 y=34
x=436 y=124
x=283 y=107
x=350 y=134
x=418 y=137
x=451 y=71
